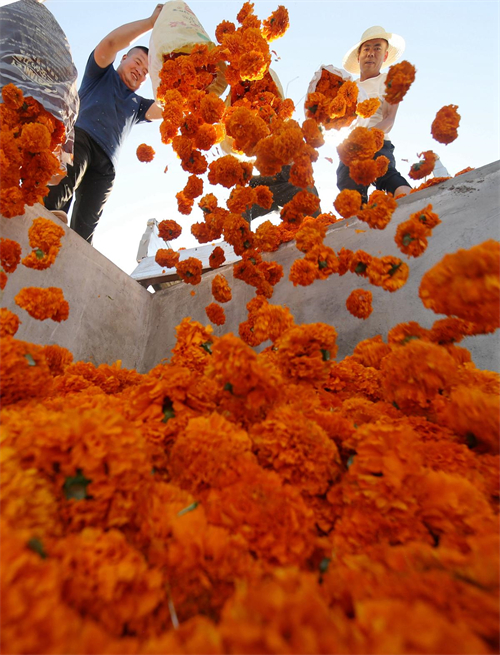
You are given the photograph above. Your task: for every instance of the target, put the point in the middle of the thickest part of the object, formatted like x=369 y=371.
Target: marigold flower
x=399 y=79
x=367 y=171
x=167 y=257
x=11 y=202
x=264 y=196
x=43 y=303
x=465 y=170
x=25 y=373
x=411 y=238
x=57 y=358
x=145 y=153
x=303 y=272
x=305 y=352
x=224 y=27
x=195 y=163
x=3 y=279
x=194 y=187
x=389 y=272
x=206 y=136
x=444 y=127
x=424 y=167
x=466 y=284
x=227 y=171
x=217 y=257
x=361 y=144
x=9 y=322
x=34 y=138
x=215 y=313
x=189 y=270
x=221 y=290
x=10 y=254
x=359 y=303
x=379 y=209
x=169 y=230
x=240 y=199
x=310 y=234
x=267 y=237
x=433 y=181
x=368 y=107
x=12 y=96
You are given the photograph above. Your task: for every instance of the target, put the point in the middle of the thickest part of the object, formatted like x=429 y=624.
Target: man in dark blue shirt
x=109 y=108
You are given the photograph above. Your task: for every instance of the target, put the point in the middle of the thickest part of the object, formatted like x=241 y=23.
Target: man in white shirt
x=377 y=49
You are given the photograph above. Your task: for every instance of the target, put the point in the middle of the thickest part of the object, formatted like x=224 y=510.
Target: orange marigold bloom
x=276 y=25
x=145 y=153
x=10 y=254
x=58 y=358
x=466 y=284
x=9 y=322
x=11 y=202
x=427 y=217
x=217 y=257
x=359 y=303
x=444 y=127
x=194 y=187
x=399 y=79
x=368 y=107
x=379 y=209
x=362 y=143
x=357 y=262
x=305 y=352
x=389 y=272
x=12 y=96
x=34 y=138
x=227 y=171
x=3 y=279
x=365 y=172
x=424 y=167
x=411 y=239
x=267 y=237
x=265 y=196
x=221 y=290
x=312 y=133
x=324 y=259
x=224 y=27
x=195 y=163
x=240 y=199
x=415 y=373
x=206 y=136
x=215 y=313
x=25 y=373
x=371 y=352
x=167 y=257
x=43 y=303
x=269 y=321
x=348 y=203
x=189 y=270
x=184 y=204
x=310 y=234
x=169 y=230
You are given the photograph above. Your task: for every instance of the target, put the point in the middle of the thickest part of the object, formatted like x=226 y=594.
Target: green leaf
x=323 y=565
x=39 y=253
x=206 y=347
x=36 y=546
x=167 y=409
x=407 y=239
x=350 y=461
x=409 y=338
x=189 y=508
x=31 y=361
x=76 y=487
x=360 y=267
x=394 y=268
x=325 y=354
x=228 y=387
x=322 y=265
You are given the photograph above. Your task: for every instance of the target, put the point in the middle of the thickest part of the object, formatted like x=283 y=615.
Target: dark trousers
x=388 y=182
x=283 y=191
x=90 y=180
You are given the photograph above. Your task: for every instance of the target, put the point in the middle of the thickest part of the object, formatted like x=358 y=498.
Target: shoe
x=62 y=216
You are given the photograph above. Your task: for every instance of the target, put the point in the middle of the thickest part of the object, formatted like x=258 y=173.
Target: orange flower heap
x=333 y=102
x=399 y=79
x=466 y=284
x=424 y=167
x=444 y=127
x=145 y=153
x=29 y=136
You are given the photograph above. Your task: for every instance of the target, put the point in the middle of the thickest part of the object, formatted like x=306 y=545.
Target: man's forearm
x=123 y=36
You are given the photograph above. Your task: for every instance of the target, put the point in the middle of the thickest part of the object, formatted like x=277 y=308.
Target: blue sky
x=453 y=45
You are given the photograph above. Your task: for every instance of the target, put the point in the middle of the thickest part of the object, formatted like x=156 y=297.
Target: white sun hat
x=396 y=48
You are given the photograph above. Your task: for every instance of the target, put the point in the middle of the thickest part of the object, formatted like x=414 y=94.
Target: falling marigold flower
x=217 y=257
x=169 y=230
x=34 y=138
x=264 y=196
x=145 y=153
x=10 y=254
x=411 y=237
x=359 y=303
x=399 y=79
x=184 y=204
x=444 y=127
x=389 y=272
x=9 y=322
x=215 y=313
x=167 y=257
x=362 y=143
x=12 y=96
x=189 y=270
x=466 y=284
x=368 y=107
x=224 y=27
x=276 y=25
x=348 y=203
x=365 y=172
x=227 y=171
x=310 y=234
x=267 y=237
x=11 y=202
x=241 y=199
x=424 y=167
x=43 y=303
x=194 y=187
x=221 y=290
x=377 y=212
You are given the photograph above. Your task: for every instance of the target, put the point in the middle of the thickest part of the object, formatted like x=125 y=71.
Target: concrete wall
x=469 y=210
x=112 y=317
x=109 y=313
